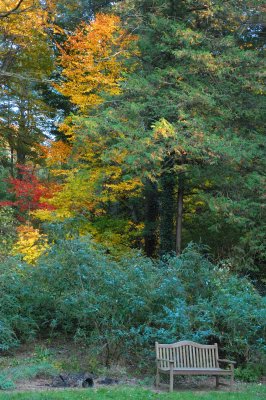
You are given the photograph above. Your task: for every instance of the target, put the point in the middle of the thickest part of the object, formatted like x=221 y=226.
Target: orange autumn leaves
x=94 y=61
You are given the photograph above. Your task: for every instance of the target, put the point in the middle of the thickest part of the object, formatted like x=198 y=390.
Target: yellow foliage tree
x=93 y=61
x=31 y=244
x=26 y=32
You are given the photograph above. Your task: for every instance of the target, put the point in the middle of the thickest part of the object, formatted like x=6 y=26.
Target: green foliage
x=122 y=307
x=15 y=318
x=8 y=233
x=251 y=373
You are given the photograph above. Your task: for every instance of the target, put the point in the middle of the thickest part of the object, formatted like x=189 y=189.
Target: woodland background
x=132 y=163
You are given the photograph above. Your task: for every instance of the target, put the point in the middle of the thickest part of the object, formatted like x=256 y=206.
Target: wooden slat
x=168 y=357
x=175 y=357
x=204 y=358
x=216 y=354
x=185 y=351
x=200 y=358
x=197 y=358
x=184 y=357
x=194 y=355
x=211 y=358
x=208 y=358
x=182 y=365
x=190 y=357
x=214 y=358
x=178 y=357
x=172 y=355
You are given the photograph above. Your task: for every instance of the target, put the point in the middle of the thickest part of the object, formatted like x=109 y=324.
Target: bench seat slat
x=197 y=371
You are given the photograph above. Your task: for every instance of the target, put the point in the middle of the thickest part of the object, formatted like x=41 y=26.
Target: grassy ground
x=253 y=392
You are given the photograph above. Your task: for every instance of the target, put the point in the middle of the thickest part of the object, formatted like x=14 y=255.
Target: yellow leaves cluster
x=56 y=153
x=31 y=243
x=116 y=187
x=93 y=61
x=31 y=16
x=163 y=129
x=26 y=32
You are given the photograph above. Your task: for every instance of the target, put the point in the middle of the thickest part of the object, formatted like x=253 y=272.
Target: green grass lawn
x=253 y=392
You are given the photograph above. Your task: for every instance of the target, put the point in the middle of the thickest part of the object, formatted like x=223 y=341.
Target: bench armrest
x=226 y=361
x=164 y=359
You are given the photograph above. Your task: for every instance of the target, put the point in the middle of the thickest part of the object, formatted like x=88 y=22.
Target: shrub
x=122 y=307
x=251 y=373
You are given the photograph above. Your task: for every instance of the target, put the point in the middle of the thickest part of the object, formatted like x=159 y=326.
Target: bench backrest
x=187 y=354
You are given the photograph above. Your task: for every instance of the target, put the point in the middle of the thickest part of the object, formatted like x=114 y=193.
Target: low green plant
x=42 y=353
x=9 y=376
x=6 y=384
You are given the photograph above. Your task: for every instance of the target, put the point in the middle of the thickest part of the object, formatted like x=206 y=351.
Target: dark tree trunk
x=179 y=217
x=167 y=211
x=151 y=218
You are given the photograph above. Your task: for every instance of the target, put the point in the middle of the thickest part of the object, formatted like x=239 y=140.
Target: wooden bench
x=190 y=358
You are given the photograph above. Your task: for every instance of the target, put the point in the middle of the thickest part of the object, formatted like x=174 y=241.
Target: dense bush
x=250 y=373
x=123 y=307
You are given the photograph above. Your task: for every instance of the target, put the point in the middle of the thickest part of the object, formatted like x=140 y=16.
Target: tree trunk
x=151 y=219
x=167 y=212
x=179 y=217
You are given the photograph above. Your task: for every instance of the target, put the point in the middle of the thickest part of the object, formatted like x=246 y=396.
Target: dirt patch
x=182 y=384
x=34 y=385
x=40 y=384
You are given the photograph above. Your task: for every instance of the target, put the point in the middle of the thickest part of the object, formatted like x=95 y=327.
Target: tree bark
x=179 y=217
x=167 y=211
x=151 y=219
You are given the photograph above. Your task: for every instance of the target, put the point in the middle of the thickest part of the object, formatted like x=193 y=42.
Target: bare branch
x=14 y=10
x=23 y=77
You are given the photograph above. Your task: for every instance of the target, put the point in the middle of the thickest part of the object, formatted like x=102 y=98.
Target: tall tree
x=194 y=71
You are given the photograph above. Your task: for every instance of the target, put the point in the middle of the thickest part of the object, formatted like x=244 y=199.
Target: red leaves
x=30 y=194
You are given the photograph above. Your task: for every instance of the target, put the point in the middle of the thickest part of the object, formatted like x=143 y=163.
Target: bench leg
x=157 y=381
x=217 y=380
x=232 y=380
x=171 y=379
